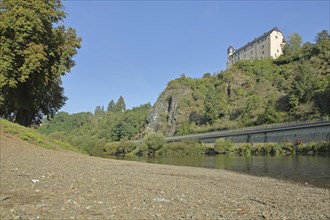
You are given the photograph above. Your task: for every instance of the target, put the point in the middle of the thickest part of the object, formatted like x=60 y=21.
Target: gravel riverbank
x=55 y=184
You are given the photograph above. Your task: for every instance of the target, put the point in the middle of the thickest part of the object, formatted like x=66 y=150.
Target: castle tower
x=230 y=51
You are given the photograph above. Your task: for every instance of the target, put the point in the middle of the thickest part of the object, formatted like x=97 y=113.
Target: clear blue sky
x=134 y=48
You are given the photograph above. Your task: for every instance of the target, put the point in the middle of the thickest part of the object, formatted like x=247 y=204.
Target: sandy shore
x=48 y=184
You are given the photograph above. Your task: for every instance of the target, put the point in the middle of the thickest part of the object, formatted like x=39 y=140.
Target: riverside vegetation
x=154 y=144
x=296 y=86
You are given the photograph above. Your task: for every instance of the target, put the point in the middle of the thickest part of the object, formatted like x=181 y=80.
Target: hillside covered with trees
x=296 y=86
x=293 y=87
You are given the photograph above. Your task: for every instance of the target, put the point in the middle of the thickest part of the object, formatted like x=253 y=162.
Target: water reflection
x=314 y=170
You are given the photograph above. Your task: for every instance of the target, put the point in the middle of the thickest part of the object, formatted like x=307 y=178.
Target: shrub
x=315 y=147
x=188 y=146
x=287 y=146
x=154 y=141
x=223 y=146
x=141 y=149
x=111 y=148
x=126 y=147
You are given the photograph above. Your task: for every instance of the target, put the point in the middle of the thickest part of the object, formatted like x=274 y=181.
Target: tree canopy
x=35 y=52
x=120 y=106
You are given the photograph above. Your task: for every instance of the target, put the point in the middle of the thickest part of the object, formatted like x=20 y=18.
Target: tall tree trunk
x=23 y=117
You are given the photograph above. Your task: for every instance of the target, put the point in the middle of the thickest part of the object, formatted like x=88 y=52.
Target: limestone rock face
x=166 y=114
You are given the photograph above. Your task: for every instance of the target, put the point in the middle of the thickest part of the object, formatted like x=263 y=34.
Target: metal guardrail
x=255 y=129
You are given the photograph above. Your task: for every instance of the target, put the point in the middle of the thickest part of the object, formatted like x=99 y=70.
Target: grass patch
x=32 y=136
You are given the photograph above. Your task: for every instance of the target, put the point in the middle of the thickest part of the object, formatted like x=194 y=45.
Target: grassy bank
x=155 y=144
x=32 y=136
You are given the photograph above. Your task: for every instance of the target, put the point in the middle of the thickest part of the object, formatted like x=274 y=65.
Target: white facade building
x=270 y=44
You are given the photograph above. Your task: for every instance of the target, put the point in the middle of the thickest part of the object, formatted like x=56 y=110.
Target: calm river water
x=307 y=169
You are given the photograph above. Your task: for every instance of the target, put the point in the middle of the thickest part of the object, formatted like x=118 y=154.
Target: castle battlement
x=270 y=44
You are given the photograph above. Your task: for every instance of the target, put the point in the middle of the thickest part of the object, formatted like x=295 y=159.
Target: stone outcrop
x=166 y=114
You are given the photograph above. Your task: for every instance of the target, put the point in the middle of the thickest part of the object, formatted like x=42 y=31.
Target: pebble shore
x=39 y=183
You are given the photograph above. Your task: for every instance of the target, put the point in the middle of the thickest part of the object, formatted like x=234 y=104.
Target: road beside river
x=42 y=183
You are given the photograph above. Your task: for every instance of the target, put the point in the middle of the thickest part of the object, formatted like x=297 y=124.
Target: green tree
x=99 y=111
x=35 y=52
x=211 y=106
x=123 y=130
x=270 y=116
x=112 y=106
x=322 y=36
x=154 y=141
x=294 y=43
x=120 y=106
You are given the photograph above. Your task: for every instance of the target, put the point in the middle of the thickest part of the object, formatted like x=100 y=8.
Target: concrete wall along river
x=294 y=131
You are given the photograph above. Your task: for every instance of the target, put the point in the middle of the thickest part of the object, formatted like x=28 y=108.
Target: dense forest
x=87 y=130
x=295 y=86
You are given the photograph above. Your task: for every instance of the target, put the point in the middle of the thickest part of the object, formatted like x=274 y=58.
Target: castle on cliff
x=270 y=44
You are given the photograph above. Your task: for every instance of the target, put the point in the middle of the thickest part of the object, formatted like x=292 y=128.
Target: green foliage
x=294 y=43
x=85 y=130
x=264 y=68
x=223 y=146
x=123 y=129
x=211 y=106
x=34 y=137
x=185 y=147
x=111 y=106
x=154 y=141
x=35 y=52
x=270 y=116
x=120 y=106
x=118 y=148
x=322 y=36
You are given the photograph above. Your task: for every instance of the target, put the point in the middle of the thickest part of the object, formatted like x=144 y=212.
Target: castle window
x=278 y=51
x=252 y=52
x=262 y=46
x=276 y=37
x=263 y=52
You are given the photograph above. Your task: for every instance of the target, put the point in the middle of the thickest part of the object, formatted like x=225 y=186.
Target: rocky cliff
x=166 y=114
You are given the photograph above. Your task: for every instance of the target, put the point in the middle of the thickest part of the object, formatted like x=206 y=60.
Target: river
x=307 y=169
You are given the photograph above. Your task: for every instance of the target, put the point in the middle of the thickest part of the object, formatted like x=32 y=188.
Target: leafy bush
x=119 y=148
x=223 y=146
x=154 y=141
x=111 y=148
x=185 y=147
x=243 y=149
x=126 y=146
x=287 y=146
